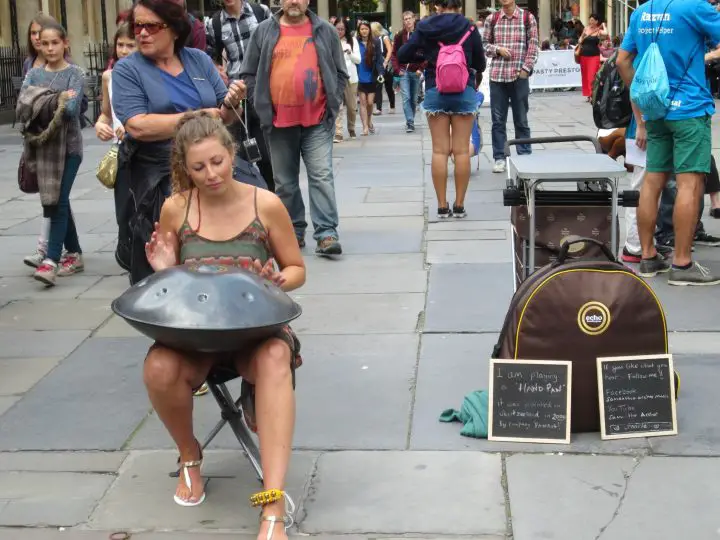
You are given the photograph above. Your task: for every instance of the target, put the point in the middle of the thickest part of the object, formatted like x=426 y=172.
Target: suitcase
x=579 y=309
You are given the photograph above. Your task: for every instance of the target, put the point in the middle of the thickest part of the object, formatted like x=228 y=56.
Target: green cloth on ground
x=474 y=414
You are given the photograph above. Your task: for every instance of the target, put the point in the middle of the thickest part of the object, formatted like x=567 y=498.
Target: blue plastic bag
x=650 y=87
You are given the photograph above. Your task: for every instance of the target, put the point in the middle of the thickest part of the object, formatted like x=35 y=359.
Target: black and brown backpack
x=579 y=309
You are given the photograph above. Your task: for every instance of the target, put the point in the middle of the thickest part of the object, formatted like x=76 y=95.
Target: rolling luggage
x=578 y=309
x=586 y=205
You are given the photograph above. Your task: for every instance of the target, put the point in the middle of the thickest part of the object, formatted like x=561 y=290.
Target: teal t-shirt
x=686 y=26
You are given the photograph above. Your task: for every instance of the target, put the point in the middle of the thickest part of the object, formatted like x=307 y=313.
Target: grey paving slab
x=472 y=198
x=394 y=194
x=379 y=235
x=476 y=212
x=6 y=402
x=456 y=235
x=485 y=290
x=365 y=274
x=41 y=343
x=351 y=491
x=115 y=327
x=49 y=314
x=80 y=534
x=469 y=251
x=661 y=490
x=694 y=342
x=143 y=494
x=390 y=209
x=359 y=313
x=82 y=462
x=18 y=375
x=452 y=366
x=340 y=380
x=49 y=499
x=698 y=431
x=24 y=288
x=463 y=225
x=93 y=400
x=685 y=306
x=566 y=497
x=106 y=288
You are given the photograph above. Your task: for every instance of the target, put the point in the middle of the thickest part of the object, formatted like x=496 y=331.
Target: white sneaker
x=499 y=166
x=35 y=259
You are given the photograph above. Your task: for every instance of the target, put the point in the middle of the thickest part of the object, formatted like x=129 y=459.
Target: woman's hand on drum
x=160 y=250
x=268 y=272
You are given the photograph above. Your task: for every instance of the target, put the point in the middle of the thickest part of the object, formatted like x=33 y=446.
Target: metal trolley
x=596 y=178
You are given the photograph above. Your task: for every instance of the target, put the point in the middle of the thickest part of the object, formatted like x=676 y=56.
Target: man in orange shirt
x=295 y=74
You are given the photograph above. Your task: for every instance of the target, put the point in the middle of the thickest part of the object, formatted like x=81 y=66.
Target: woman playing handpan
x=212 y=219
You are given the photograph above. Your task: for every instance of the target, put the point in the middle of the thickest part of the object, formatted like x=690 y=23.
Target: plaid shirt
x=510 y=33
x=236 y=34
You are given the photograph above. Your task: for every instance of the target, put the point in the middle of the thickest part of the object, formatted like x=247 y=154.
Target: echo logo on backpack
x=594 y=318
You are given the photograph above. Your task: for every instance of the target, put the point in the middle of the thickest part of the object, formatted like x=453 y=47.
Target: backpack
x=260 y=15
x=451 y=71
x=610 y=97
x=650 y=85
x=600 y=308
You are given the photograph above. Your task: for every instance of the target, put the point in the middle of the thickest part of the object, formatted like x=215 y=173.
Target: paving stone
x=472 y=198
x=452 y=366
x=97 y=400
x=358 y=313
x=103 y=264
x=457 y=235
x=40 y=344
x=580 y=493
x=25 y=288
x=662 y=489
x=469 y=251
x=53 y=314
x=116 y=327
x=80 y=534
x=394 y=194
x=698 y=401
x=694 y=342
x=43 y=499
x=350 y=372
x=364 y=274
x=143 y=493
x=380 y=209
x=381 y=235
x=106 y=288
x=18 y=375
x=462 y=225
x=6 y=402
x=84 y=462
x=485 y=290
x=351 y=490
x=684 y=305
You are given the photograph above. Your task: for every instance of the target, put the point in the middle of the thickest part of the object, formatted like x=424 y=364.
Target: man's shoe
x=329 y=245
x=695 y=275
x=410 y=128
x=705 y=239
x=499 y=166
x=46 y=272
x=652 y=267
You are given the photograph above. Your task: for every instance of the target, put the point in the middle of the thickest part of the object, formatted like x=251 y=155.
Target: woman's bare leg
x=440 y=134
x=363 y=111
x=369 y=104
x=461 y=131
x=270 y=372
x=170 y=377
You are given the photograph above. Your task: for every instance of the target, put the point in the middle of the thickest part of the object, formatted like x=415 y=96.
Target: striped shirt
x=510 y=33
x=236 y=32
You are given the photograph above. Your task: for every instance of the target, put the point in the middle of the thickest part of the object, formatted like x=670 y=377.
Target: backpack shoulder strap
x=217 y=34
x=258 y=11
x=493 y=22
x=467 y=35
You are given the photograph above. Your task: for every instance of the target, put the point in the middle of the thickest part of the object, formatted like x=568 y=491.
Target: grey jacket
x=255 y=70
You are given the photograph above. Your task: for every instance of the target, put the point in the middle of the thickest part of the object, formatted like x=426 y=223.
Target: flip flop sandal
x=184 y=466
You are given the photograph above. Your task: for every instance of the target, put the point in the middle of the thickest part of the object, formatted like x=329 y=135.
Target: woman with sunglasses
x=152 y=89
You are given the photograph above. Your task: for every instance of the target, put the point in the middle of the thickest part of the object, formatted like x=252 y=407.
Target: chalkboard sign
x=530 y=401
x=637 y=396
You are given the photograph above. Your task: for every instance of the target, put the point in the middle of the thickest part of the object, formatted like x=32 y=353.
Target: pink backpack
x=451 y=71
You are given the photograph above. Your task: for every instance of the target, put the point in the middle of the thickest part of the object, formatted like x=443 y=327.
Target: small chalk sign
x=530 y=401
x=637 y=396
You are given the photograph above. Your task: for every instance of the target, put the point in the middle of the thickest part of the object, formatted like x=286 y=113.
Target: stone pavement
x=395 y=332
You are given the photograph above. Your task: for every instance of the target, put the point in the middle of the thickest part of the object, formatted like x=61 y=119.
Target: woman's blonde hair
x=377 y=29
x=194 y=127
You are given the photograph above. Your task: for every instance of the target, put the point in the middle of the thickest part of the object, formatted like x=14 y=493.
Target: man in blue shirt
x=680 y=143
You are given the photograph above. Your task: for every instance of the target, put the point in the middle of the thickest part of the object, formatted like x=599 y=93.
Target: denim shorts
x=462 y=103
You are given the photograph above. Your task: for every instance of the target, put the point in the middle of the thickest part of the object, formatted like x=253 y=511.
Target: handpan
x=206 y=309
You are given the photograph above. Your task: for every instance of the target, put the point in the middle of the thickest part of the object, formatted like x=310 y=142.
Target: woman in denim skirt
x=450 y=116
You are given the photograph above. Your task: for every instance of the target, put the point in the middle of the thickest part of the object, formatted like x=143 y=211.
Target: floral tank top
x=239 y=251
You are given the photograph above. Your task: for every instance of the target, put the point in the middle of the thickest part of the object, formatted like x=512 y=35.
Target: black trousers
x=388 y=84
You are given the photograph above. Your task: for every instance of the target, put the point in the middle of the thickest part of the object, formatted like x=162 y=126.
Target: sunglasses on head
x=151 y=28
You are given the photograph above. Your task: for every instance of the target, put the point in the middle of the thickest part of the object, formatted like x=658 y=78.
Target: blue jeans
x=62 y=224
x=515 y=93
x=314 y=144
x=409 y=89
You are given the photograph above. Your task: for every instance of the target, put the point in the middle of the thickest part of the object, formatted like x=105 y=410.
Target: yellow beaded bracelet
x=266 y=497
